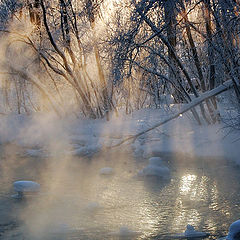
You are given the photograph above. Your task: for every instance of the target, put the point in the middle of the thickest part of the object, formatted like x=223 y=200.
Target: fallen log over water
x=206 y=95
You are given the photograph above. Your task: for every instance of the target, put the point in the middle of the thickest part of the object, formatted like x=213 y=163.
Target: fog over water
x=76 y=202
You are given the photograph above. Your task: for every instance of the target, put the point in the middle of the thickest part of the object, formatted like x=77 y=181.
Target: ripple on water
x=152 y=207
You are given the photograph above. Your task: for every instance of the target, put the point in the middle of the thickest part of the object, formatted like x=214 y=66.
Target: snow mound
x=106 y=171
x=87 y=151
x=22 y=187
x=26 y=186
x=190 y=233
x=234 y=230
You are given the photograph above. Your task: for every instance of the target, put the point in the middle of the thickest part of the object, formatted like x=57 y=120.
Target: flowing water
x=76 y=202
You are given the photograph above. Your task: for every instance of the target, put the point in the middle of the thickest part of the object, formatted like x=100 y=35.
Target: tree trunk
x=211 y=56
x=171 y=22
x=198 y=67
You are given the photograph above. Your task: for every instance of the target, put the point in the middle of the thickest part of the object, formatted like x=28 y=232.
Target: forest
x=94 y=57
x=119 y=119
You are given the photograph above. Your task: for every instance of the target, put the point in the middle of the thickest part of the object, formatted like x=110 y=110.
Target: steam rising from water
x=77 y=202
x=70 y=183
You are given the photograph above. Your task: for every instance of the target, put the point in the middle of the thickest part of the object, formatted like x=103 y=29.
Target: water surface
x=78 y=203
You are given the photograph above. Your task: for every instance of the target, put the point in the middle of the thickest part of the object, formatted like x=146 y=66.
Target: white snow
x=155 y=168
x=85 y=151
x=189 y=233
x=81 y=137
x=44 y=135
x=233 y=230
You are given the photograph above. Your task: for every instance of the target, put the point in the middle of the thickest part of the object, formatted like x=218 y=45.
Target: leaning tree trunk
x=207 y=95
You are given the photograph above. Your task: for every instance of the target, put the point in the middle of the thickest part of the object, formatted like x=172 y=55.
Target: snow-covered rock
x=234 y=231
x=87 y=151
x=155 y=171
x=25 y=186
x=190 y=233
x=155 y=161
x=106 y=171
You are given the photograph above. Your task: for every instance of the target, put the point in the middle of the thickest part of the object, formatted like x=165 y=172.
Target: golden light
x=187 y=182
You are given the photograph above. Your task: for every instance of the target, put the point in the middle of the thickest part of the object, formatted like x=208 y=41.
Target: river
x=76 y=202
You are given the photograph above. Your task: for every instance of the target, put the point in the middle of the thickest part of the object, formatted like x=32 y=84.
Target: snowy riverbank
x=43 y=134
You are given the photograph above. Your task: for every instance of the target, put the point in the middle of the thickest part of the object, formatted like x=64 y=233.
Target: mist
x=127 y=115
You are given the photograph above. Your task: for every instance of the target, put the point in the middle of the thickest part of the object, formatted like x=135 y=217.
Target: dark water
x=77 y=203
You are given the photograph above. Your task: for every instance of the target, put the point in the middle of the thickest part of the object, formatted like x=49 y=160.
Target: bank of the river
x=43 y=135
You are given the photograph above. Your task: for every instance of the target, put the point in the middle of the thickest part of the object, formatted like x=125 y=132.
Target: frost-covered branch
x=207 y=95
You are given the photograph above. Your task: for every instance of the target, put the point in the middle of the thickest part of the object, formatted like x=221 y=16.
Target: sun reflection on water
x=150 y=207
x=186 y=183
